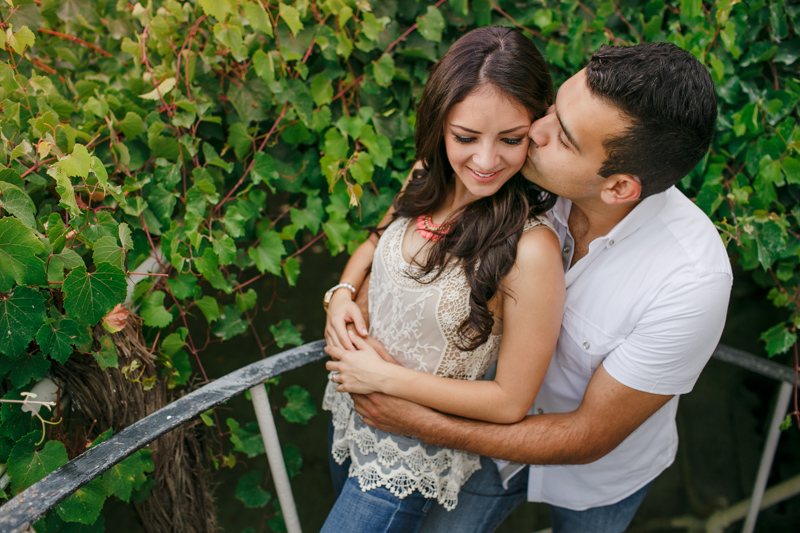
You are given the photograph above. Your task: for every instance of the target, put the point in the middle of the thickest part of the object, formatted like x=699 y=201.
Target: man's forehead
x=580 y=111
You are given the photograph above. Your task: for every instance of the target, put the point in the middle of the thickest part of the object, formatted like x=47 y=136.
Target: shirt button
x=539 y=411
x=566 y=249
x=611 y=242
x=586 y=345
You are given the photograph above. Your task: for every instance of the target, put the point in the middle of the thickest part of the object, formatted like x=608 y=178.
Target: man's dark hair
x=669 y=98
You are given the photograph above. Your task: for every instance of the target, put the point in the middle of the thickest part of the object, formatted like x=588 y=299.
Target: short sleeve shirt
x=648 y=302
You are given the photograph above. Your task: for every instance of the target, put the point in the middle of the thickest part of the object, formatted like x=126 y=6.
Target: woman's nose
x=486 y=158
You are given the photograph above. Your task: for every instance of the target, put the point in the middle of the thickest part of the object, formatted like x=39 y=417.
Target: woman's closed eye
x=513 y=141
x=463 y=140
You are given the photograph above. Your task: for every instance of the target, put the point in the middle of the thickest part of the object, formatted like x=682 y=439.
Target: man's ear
x=620 y=189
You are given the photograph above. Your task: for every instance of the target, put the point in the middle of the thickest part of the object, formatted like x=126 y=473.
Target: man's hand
x=395 y=415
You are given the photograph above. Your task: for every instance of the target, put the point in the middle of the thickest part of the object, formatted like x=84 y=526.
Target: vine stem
x=76 y=40
x=408 y=31
x=252 y=162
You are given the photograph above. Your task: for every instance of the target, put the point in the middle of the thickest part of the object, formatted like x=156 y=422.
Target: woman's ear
x=620 y=189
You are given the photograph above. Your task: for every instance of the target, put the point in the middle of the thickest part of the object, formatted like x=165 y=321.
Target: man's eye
x=562 y=142
x=463 y=140
x=514 y=142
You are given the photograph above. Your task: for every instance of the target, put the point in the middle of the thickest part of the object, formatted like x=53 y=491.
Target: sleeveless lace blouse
x=418 y=324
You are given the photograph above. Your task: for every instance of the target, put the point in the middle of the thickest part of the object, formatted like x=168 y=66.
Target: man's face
x=567 y=149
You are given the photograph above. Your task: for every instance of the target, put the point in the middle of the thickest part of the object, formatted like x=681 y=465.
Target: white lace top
x=418 y=324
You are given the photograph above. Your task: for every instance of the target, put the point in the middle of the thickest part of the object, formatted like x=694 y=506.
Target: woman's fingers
x=340 y=327
x=357 y=340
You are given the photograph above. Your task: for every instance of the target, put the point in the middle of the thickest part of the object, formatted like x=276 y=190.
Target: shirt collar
x=638 y=217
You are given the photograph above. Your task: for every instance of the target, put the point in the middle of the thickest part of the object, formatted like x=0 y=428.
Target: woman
x=465 y=274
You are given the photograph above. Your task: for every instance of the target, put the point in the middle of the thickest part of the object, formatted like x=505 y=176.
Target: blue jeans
x=375 y=511
x=483 y=504
x=372 y=511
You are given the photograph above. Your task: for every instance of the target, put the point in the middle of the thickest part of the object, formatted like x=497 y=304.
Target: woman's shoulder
x=538 y=221
x=538 y=244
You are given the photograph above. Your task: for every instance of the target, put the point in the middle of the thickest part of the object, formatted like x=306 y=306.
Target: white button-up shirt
x=648 y=302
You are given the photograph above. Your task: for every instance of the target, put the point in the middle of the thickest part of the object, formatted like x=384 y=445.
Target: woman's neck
x=457 y=197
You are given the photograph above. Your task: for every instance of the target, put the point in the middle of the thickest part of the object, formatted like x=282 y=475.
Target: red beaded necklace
x=431 y=231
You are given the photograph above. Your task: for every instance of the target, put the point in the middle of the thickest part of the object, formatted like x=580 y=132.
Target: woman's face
x=486 y=141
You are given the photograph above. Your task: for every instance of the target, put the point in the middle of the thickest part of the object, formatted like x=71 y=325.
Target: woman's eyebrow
x=525 y=126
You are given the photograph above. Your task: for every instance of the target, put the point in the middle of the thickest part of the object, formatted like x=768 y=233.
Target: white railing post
x=782 y=403
x=275 y=456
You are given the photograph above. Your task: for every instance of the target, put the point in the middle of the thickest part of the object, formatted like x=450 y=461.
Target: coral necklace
x=431 y=231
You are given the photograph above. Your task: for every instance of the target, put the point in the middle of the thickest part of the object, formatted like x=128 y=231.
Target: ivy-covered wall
x=224 y=138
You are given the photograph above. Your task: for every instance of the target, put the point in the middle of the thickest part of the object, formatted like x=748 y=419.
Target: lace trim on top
x=418 y=323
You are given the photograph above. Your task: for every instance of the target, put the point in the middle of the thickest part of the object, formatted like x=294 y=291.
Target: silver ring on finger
x=332 y=376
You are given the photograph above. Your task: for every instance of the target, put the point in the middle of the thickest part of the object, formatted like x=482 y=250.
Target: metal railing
x=27 y=507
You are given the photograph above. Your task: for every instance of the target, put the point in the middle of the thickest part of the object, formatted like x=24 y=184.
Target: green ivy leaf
x=77 y=164
x=107 y=355
x=208 y=266
x=246 y=301
x=362 y=169
x=131 y=126
x=153 y=311
x=22 y=39
x=249 y=491
x=174 y=342
x=246 y=439
x=89 y=297
x=431 y=24
x=21 y=254
x=263 y=169
x=286 y=334
x=22 y=313
x=230 y=323
x=291 y=16
x=85 y=504
x=293 y=460
x=18 y=203
x=106 y=250
x=264 y=65
x=267 y=255
x=383 y=70
x=300 y=407
x=778 y=339
x=291 y=269
x=57 y=338
x=182 y=286
x=121 y=479
x=26 y=368
x=239 y=140
x=257 y=16
x=209 y=308
x=27 y=464
x=225 y=248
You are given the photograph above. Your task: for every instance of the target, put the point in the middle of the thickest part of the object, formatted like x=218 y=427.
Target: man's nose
x=538 y=131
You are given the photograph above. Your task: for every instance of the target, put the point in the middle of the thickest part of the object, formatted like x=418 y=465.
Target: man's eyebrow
x=525 y=126
x=570 y=138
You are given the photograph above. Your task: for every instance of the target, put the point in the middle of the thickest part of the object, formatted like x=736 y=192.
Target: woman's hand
x=342 y=310
x=360 y=371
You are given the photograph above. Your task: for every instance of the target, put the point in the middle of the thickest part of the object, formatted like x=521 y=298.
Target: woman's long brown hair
x=485 y=234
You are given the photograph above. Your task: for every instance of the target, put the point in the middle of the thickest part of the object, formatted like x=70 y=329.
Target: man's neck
x=588 y=221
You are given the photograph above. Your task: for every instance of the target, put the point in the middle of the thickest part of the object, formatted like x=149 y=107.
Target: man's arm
x=608 y=413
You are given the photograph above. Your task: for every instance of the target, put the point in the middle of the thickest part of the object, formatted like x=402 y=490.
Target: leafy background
x=220 y=141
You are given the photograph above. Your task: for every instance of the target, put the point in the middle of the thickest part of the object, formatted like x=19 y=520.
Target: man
x=648 y=282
